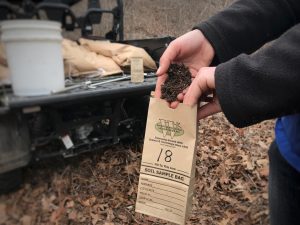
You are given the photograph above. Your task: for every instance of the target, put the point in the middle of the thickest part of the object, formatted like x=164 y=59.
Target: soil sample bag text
x=167 y=171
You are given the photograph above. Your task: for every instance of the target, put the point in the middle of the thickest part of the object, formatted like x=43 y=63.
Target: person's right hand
x=202 y=85
x=192 y=49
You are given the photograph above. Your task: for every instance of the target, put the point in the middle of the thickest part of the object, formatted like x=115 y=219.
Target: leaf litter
x=100 y=189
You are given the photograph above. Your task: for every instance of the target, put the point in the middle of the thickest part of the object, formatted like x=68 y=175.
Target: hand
x=202 y=85
x=192 y=49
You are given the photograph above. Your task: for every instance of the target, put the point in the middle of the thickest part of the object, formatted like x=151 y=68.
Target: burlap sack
x=4 y=73
x=120 y=53
x=167 y=171
x=79 y=59
x=3 y=60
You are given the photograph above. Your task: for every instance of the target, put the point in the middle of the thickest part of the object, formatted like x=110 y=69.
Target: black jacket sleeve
x=248 y=24
x=264 y=85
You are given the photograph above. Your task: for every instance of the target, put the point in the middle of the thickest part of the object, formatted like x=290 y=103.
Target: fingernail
x=158 y=70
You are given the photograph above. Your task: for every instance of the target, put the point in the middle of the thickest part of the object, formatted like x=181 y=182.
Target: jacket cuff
x=222 y=53
x=229 y=103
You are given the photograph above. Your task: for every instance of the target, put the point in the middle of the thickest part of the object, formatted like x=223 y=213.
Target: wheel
x=10 y=181
x=14 y=150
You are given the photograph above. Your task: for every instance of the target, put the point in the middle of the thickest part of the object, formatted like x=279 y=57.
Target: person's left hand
x=192 y=49
x=202 y=86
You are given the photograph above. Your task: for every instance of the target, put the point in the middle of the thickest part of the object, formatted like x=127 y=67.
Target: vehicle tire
x=10 y=181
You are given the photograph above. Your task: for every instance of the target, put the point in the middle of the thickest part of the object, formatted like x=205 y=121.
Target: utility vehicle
x=79 y=120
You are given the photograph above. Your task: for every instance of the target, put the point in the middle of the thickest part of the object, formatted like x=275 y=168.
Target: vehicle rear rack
x=61 y=11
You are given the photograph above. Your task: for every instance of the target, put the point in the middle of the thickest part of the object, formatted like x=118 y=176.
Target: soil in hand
x=179 y=78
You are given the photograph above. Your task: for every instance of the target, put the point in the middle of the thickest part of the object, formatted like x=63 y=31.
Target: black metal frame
x=60 y=11
x=31 y=128
x=119 y=127
x=119 y=100
x=109 y=101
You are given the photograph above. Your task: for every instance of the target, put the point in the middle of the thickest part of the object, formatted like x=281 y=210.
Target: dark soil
x=179 y=78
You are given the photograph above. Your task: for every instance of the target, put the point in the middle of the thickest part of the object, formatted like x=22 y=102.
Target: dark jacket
x=255 y=86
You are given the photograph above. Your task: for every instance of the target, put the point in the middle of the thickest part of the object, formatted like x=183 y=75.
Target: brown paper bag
x=79 y=59
x=167 y=171
x=136 y=70
x=4 y=71
x=120 y=53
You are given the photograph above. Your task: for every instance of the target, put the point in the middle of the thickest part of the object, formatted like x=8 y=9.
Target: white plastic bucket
x=34 y=55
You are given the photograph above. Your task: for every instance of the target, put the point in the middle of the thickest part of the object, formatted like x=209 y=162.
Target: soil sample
x=179 y=78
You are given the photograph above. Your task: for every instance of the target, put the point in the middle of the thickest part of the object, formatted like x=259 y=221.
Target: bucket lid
x=29 y=24
x=29 y=30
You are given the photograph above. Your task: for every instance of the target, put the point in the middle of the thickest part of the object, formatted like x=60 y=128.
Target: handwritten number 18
x=168 y=154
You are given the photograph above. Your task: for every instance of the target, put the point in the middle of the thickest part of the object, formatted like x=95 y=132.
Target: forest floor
x=230 y=188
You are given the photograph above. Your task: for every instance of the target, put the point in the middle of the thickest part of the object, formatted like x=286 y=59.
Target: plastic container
x=34 y=55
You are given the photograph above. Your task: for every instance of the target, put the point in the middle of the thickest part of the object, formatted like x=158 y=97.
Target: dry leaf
x=81 y=217
x=95 y=218
x=224 y=221
x=131 y=168
x=88 y=202
x=26 y=220
x=264 y=172
x=109 y=223
x=263 y=145
x=110 y=215
x=249 y=165
x=70 y=204
x=240 y=132
x=131 y=191
x=123 y=217
x=3 y=215
x=73 y=215
x=262 y=162
x=265 y=195
x=55 y=215
x=47 y=202
x=102 y=207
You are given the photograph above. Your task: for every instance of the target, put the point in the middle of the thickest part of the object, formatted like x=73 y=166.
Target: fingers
x=180 y=96
x=167 y=58
x=209 y=109
x=203 y=83
x=174 y=105
x=194 y=92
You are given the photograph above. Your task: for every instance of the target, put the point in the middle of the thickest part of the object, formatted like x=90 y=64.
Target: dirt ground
x=232 y=164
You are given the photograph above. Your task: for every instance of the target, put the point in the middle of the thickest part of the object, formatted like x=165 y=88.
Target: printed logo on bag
x=169 y=128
